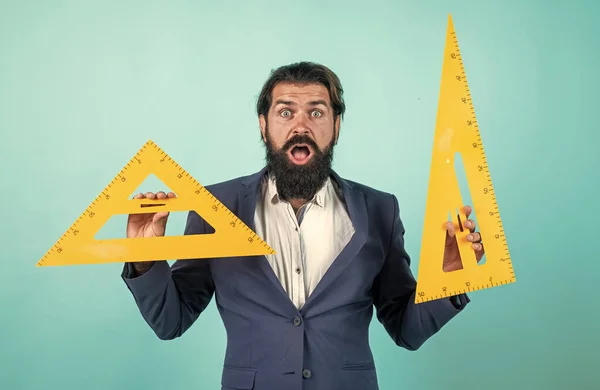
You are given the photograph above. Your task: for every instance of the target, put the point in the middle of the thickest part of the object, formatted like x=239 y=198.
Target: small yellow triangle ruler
x=457 y=131
x=79 y=246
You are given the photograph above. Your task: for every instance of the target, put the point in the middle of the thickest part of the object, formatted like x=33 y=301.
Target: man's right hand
x=148 y=224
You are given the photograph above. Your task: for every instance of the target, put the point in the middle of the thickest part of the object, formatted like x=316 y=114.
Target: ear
x=262 y=122
x=337 y=129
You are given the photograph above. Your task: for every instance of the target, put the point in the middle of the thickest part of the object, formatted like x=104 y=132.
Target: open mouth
x=300 y=153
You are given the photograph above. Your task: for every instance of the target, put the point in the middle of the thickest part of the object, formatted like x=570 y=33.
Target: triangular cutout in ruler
x=231 y=236
x=457 y=131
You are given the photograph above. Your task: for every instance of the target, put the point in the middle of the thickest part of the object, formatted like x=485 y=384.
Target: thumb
x=158 y=224
x=449 y=233
x=160 y=220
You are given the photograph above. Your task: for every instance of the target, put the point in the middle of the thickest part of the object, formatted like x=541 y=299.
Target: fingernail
x=470 y=237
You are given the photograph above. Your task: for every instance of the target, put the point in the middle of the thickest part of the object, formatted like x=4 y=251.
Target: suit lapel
x=247 y=198
x=359 y=217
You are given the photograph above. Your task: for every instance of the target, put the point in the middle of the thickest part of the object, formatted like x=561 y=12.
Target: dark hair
x=303 y=73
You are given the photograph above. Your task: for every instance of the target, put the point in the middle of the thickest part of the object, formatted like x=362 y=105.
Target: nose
x=300 y=130
x=301 y=126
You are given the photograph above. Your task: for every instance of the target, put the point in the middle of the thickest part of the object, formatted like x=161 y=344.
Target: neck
x=297 y=203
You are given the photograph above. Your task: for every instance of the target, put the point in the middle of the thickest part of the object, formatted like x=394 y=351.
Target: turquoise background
x=83 y=84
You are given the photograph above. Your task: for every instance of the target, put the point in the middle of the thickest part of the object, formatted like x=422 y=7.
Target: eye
x=317 y=114
x=285 y=113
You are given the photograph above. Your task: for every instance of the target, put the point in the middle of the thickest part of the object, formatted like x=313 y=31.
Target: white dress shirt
x=306 y=244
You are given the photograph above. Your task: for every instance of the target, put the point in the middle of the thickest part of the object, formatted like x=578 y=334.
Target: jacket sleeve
x=407 y=323
x=170 y=299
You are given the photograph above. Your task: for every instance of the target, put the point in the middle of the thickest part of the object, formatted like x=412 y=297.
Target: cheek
x=277 y=138
x=325 y=135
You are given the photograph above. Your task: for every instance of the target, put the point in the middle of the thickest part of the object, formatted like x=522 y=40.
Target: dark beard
x=299 y=181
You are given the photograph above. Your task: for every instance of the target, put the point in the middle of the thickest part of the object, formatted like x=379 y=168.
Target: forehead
x=300 y=93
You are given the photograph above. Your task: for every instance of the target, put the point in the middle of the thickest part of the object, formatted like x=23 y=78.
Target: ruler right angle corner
x=457 y=132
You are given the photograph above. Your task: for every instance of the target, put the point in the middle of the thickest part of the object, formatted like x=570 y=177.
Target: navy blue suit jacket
x=270 y=344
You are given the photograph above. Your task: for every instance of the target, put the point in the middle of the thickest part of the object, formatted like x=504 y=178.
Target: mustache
x=301 y=139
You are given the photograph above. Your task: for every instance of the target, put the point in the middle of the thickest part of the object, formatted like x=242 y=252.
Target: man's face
x=299 y=135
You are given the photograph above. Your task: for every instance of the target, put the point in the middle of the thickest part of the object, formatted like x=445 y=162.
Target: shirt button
x=297 y=321
x=306 y=373
x=298 y=270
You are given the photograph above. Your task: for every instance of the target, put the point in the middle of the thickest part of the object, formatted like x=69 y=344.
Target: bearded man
x=298 y=319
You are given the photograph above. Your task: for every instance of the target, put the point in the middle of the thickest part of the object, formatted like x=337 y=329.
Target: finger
x=161 y=195
x=479 y=251
x=474 y=237
x=150 y=195
x=449 y=229
x=450 y=234
x=137 y=217
x=470 y=224
x=467 y=210
x=171 y=195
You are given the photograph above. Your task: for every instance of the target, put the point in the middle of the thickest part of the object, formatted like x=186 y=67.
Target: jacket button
x=306 y=373
x=297 y=321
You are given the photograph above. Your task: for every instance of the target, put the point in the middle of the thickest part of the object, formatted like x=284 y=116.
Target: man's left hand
x=452 y=261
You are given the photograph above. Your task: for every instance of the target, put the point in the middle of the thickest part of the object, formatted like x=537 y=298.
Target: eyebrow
x=291 y=103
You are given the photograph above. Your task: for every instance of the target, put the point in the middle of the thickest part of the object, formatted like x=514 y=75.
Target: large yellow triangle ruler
x=457 y=131
x=230 y=238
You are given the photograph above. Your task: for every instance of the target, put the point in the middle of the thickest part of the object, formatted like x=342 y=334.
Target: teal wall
x=83 y=84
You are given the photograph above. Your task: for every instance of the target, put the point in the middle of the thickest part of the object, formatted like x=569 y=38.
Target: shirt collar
x=318 y=199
